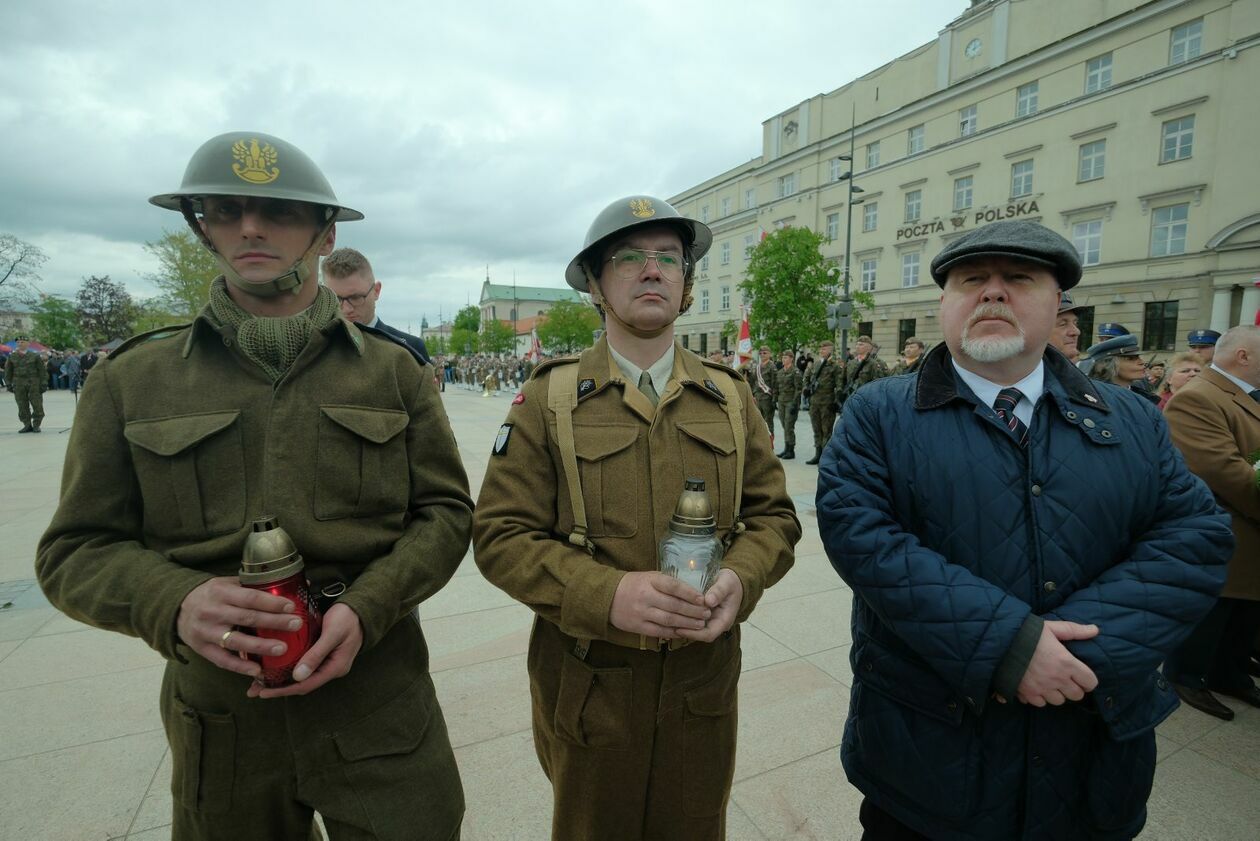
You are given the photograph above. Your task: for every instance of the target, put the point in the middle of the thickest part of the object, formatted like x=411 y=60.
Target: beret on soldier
x=1018 y=240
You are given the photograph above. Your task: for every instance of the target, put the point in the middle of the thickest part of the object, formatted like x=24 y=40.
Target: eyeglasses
x=355 y=301
x=629 y=262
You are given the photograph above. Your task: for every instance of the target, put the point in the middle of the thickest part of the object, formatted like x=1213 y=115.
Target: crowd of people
x=1014 y=643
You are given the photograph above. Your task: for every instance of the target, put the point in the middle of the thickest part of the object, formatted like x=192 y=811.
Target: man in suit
x=349 y=275
x=1216 y=425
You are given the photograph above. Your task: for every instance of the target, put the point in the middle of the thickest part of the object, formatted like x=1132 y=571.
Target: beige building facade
x=1128 y=127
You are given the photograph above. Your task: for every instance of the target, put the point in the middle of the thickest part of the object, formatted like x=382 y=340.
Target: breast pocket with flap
x=191 y=470
x=611 y=469
x=362 y=466
x=708 y=452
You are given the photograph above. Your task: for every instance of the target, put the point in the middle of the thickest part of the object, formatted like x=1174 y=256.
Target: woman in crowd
x=1181 y=369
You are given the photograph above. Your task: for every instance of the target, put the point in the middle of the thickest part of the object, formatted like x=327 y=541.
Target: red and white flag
x=745 y=337
x=535 y=347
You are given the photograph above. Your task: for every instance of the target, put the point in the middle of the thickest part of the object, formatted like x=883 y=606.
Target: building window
x=1178 y=140
x=1098 y=73
x=1093 y=160
x=750 y=198
x=1187 y=42
x=967 y=121
x=1087 y=237
x=704 y=213
x=866 y=328
x=726 y=207
x=914 y=140
x=726 y=254
x=837 y=169
x=704 y=263
x=1085 y=323
x=726 y=297
x=870 y=216
x=1026 y=99
x=914 y=205
x=750 y=244
x=905 y=330
x=833 y=226
x=1159 y=326
x=685 y=340
x=1168 y=229
x=868 y=275
x=704 y=343
x=962 y=192
x=1021 y=179
x=872 y=155
x=704 y=300
x=909 y=269
x=787 y=185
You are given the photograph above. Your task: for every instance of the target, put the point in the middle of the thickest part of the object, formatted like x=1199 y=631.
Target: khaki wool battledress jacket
x=633 y=462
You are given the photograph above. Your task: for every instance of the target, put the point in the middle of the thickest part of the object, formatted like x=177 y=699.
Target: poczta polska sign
x=993 y=214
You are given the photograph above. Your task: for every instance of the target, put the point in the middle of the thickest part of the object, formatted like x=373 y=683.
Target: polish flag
x=535 y=346
x=745 y=337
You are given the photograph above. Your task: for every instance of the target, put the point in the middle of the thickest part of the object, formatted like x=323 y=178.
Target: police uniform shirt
x=1031 y=386
x=660 y=371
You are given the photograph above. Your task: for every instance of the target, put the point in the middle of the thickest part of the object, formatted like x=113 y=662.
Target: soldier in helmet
x=271 y=403
x=633 y=673
x=24 y=374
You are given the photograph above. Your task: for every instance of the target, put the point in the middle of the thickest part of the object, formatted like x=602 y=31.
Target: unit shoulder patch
x=585 y=387
x=501 y=440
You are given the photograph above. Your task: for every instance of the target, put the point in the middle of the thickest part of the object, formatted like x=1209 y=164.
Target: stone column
x=1250 y=303
x=1220 y=308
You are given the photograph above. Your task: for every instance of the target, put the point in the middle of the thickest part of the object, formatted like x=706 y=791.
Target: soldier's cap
x=1202 y=338
x=1017 y=240
x=1119 y=346
x=866 y=339
x=1111 y=329
x=914 y=340
x=1066 y=304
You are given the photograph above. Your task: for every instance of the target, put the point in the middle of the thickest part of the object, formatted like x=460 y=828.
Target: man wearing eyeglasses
x=633 y=674
x=349 y=275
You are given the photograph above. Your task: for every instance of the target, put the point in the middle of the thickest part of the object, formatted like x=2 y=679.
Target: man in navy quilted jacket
x=1007 y=629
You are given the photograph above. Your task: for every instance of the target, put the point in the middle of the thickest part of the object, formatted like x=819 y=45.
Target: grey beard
x=992 y=349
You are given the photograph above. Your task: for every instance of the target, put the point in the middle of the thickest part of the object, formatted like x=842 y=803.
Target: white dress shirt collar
x=1031 y=386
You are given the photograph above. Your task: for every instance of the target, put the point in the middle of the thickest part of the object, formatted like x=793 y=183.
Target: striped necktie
x=1004 y=405
x=645 y=386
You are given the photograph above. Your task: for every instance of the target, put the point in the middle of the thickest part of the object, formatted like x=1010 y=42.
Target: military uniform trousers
x=766 y=407
x=787 y=417
x=822 y=415
x=638 y=745
x=368 y=751
x=30 y=401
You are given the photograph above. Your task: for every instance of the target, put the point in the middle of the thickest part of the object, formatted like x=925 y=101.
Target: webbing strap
x=734 y=414
x=561 y=399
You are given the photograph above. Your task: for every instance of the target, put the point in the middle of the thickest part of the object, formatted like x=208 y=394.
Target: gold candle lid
x=269 y=553
x=694 y=514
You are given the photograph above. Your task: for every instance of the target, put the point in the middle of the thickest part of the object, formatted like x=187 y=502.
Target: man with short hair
x=1203 y=342
x=1066 y=333
x=912 y=356
x=634 y=673
x=271 y=403
x=1215 y=422
x=25 y=376
x=1005 y=636
x=787 y=391
x=349 y=275
x=1154 y=375
x=823 y=382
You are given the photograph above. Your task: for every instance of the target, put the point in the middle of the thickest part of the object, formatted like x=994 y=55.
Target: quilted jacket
x=954 y=539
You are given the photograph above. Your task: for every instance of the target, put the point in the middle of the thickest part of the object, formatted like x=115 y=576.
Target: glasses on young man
x=355 y=301
x=629 y=262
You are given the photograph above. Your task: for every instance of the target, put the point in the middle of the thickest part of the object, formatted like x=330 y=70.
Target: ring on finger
x=223 y=640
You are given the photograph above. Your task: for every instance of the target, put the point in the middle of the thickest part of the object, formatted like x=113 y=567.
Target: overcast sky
x=469 y=134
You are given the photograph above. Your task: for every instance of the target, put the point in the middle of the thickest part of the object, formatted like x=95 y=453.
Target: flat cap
x=1111 y=329
x=1119 y=346
x=1202 y=338
x=1017 y=240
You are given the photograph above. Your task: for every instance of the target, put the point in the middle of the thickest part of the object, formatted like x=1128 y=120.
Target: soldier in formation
x=788 y=383
x=25 y=376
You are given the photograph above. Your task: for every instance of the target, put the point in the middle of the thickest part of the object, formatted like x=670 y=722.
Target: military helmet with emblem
x=256 y=165
x=249 y=163
x=625 y=215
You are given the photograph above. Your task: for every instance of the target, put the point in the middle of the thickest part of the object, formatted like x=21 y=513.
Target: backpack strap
x=562 y=399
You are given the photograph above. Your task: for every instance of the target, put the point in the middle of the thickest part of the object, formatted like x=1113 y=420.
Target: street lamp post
x=844 y=312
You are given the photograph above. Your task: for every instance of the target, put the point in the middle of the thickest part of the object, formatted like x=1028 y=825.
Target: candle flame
x=691 y=564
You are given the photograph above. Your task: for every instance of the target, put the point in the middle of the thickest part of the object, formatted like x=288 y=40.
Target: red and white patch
x=518 y=399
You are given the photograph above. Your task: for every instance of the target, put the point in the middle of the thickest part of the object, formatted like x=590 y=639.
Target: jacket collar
x=1231 y=389
x=597 y=370
x=205 y=327
x=938 y=385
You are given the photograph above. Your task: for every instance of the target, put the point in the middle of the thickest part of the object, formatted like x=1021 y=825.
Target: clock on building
x=973 y=48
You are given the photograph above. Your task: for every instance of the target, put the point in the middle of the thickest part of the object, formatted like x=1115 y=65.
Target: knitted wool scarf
x=272 y=344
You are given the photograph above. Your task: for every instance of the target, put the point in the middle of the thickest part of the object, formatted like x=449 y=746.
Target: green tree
x=498 y=337
x=568 y=327
x=19 y=269
x=185 y=270
x=469 y=318
x=105 y=310
x=465 y=331
x=57 y=323
x=789 y=285
x=152 y=314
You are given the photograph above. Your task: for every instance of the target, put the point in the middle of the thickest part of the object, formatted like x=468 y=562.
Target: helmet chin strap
x=597 y=296
x=291 y=281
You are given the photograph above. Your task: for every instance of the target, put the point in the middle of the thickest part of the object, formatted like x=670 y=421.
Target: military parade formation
x=1013 y=648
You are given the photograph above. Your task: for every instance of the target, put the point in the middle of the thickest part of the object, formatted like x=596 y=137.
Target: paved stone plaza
x=83 y=755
